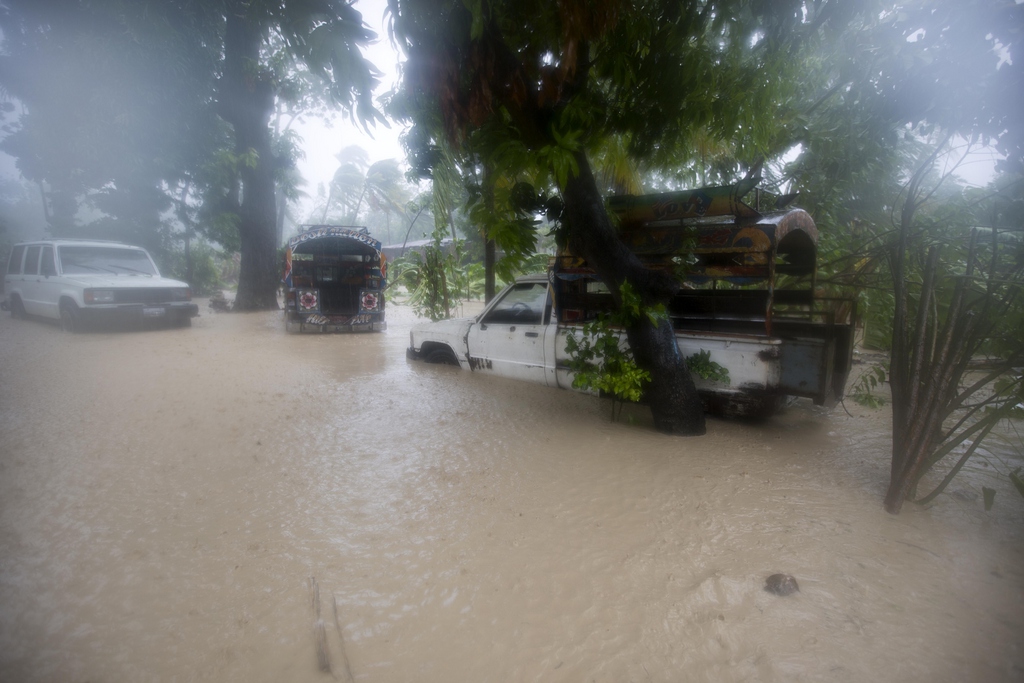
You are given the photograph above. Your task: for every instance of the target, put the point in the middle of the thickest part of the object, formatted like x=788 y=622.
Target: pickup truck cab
x=513 y=337
x=748 y=300
x=85 y=283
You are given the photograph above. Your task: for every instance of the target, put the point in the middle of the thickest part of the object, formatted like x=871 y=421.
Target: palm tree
x=386 y=191
x=379 y=186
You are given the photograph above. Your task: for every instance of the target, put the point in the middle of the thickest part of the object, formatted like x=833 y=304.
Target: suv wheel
x=17 y=309
x=69 y=319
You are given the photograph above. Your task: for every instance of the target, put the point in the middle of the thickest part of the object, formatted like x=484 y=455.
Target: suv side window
x=47 y=266
x=14 y=265
x=32 y=261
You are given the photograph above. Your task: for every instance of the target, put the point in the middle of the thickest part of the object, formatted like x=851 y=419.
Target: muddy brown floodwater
x=166 y=496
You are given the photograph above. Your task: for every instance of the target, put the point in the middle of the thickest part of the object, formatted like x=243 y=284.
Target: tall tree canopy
x=112 y=102
x=124 y=104
x=323 y=38
x=905 y=91
x=528 y=87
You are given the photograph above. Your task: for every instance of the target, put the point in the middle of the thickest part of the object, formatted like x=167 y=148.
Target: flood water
x=167 y=496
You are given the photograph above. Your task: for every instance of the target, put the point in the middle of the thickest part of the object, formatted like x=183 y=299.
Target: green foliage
x=504 y=212
x=524 y=88
x=863 y=389
x=601 y=364
x=701 y=365
x=600 y=361
x=423 y=276
x=206 y=268
x=632 y=308
x=598 y=357
x=534 y=263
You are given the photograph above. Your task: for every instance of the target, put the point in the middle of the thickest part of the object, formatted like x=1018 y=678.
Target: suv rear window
x=14 y=264
x=119 y=260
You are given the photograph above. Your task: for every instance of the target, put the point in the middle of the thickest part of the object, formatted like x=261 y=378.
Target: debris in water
x=323 y=657
x=219 y=303
x=781 y=584
x=346 y=669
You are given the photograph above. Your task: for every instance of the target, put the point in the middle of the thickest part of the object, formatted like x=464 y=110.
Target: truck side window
x=524 y=304
x=14 y=265
x=32 y=261
x=46 y=266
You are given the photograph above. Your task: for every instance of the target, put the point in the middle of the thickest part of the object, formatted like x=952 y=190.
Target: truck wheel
x=184 y=320
x=18 y=309
x=441 y=356
x=69 y=319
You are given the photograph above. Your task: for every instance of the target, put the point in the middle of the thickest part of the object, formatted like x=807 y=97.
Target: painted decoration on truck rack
x=308 y=300
x=361 y=235
x=723 y=200
x=369 y=301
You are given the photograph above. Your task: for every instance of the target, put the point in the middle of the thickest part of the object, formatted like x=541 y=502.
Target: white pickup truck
x=517 y=336
x=749 y=300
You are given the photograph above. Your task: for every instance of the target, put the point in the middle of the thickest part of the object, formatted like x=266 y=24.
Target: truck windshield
x=78 y=260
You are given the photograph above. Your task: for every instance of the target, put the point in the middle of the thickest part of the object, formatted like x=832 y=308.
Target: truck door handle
x=532 y=334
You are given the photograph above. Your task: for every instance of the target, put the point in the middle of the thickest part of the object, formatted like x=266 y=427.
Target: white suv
x=86 y=282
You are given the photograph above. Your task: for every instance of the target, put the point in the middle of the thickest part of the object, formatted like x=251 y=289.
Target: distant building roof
x=411 y=244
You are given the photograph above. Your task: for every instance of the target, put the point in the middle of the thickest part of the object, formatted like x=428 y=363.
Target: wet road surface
x=166 y=496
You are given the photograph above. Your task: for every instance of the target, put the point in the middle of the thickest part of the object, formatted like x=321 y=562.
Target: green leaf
x=701 y=365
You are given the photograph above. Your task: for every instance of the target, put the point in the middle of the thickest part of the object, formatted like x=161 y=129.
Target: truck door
x=509 y=339
x=30 y=289
x=47 y=291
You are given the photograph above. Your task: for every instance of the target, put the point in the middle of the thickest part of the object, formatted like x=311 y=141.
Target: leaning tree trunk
x=674 y=402
x=247 y=99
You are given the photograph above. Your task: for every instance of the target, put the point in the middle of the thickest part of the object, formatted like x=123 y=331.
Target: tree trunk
x=282 y=211
x=247 y=99
x=59 y=209
x=672 y=396
x=490 y=257
x=490 y=248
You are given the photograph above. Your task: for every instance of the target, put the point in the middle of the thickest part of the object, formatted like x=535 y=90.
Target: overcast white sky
x=321 y=143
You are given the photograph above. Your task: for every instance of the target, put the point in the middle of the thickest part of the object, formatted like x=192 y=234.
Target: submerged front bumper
x=321 y=324
x=100 y=315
